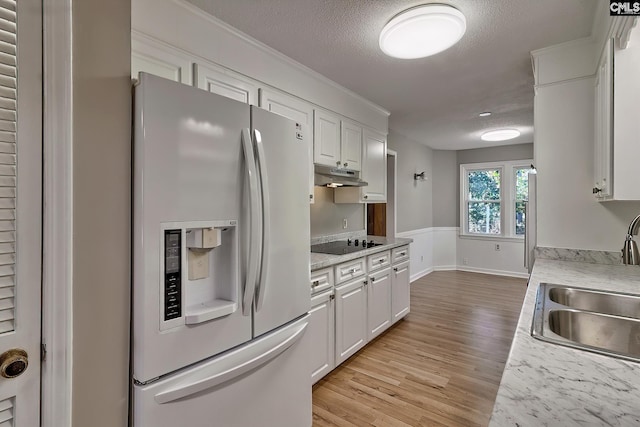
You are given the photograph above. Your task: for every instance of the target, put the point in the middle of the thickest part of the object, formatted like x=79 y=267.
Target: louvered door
x=20 y=211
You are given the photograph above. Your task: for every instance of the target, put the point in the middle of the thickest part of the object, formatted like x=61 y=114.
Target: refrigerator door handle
x=229 y=368
x=266 y=219
x=255 y=224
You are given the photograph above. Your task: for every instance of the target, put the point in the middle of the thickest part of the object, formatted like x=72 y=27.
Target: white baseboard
x=494 y=272
x=420 y=274
x=445 y=267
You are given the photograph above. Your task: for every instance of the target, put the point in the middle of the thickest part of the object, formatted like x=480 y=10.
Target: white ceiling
x=433 y=100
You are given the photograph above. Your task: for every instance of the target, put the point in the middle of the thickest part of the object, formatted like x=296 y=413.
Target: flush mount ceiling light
x=500 y=135
x=485 y=114
x=422 y=31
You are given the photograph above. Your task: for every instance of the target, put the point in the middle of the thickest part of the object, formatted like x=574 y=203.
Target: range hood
x=327 y=176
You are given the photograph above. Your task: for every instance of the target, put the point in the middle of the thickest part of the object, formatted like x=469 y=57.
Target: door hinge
x=43 y=352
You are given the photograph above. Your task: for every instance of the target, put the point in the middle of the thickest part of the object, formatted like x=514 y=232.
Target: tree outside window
x=484 y=201
x=522 y=194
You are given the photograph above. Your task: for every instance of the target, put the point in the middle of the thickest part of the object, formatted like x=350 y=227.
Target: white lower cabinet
x=351 y=318
x=378 y=302
x=400 y=291
x=321 y=330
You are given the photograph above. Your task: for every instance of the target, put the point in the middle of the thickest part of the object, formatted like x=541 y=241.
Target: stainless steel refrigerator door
x=266 y=382
x=282 y=293
x=188 y=166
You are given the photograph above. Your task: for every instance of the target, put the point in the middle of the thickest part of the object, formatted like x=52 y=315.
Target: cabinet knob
x=315 y=283
x=366 y=282
x=373 y=279
x=366 y=196
x=596 y=190
x=338 y=163
x=395 y=268
x=310 y=196
x=346 y=164
x=381 y=261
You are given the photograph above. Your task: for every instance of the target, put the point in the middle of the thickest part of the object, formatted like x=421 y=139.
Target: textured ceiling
x=435 y=100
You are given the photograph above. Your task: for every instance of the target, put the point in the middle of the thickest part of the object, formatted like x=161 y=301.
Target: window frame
x=507 y=198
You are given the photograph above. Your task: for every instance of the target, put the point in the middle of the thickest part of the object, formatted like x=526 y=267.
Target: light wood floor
x=440 y=366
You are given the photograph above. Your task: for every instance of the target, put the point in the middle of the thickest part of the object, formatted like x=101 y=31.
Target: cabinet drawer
x=379 y=260
x=400 y=254
x=321 y=280
x=350 y=270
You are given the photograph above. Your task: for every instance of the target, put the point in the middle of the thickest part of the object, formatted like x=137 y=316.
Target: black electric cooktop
x=342 y=247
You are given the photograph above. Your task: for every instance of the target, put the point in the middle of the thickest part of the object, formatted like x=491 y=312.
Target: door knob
x=13 y=363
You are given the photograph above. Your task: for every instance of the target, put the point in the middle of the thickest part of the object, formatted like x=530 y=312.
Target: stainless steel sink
x=597 y=321
x=598 y=301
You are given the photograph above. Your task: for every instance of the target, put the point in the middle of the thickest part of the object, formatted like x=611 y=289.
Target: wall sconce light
x=419 y=176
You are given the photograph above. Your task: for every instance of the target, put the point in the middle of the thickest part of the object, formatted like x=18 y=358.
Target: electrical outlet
x=344 y=223
x=465 y=261
x=497 y=247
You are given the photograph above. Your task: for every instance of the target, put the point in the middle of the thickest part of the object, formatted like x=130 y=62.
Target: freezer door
x=266 y=382
x=189 y=168
x=282 y=292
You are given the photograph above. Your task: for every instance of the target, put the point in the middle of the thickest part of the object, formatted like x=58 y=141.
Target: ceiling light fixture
x=485 y=114
x=422 y=31
x=500 y=135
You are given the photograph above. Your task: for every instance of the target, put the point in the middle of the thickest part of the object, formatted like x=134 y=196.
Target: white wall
x=481 y=256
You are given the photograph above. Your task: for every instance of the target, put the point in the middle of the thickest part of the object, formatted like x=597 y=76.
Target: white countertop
x=546 y=384
x=326 y=260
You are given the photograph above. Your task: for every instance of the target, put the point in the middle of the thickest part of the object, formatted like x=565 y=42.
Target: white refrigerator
x=220 y=262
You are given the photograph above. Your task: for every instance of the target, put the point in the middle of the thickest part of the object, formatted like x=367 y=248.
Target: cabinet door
x=400 y=295
x=374 y=167
x=224 y=82
x=351 y=146
x=326 y=138
x=297 y=110
x=351 y=319
x=378 y=303
x=603 y=125
x=321 y=335
x=156 y=58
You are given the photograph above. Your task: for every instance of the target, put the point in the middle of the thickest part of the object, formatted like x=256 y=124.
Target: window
x=493 y=197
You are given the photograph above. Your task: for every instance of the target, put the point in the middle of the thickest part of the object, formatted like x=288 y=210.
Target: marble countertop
x=326 y=260
x=546 y=384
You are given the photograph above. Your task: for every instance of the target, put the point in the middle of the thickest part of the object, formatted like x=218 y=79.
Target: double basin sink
x=598 y=321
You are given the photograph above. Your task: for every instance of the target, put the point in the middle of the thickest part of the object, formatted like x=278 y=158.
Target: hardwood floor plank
x=440 y=366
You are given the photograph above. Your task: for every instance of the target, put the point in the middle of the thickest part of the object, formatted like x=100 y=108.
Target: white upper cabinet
x=351 y=145
x=295 y=109
x=337 y=142
x=221 y=81
x=616 y=130
x=374 y=172
x=326 y=138
x=603 y=131
x=154 y=57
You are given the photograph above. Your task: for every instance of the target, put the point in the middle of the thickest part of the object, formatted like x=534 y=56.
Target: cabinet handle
x=395 y=268
x=366 y=282
x=381 y=261
x=315 y=283
x=402 y=253
x=310 y=196
x=332 y=297
x=346 y=164
x=366 y=196
x=373 y=279
x=596 y=190
x=338 y=163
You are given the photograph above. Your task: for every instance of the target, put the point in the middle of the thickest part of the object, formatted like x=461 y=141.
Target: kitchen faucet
x=630 y=253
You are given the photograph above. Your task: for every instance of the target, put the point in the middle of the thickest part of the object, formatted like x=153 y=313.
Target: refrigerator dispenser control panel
x=172 y=274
